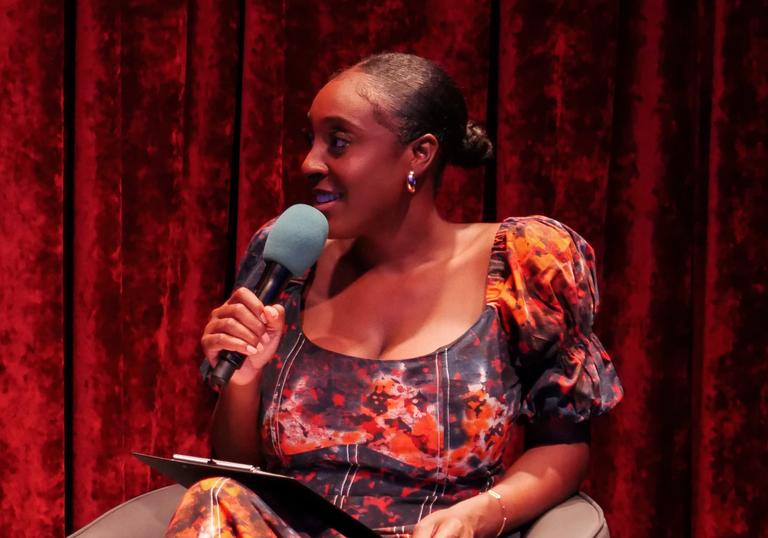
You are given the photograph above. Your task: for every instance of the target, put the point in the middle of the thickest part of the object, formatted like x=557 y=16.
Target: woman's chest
x=394 y=316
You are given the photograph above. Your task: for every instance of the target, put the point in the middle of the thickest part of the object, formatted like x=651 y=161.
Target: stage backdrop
x=142 y=142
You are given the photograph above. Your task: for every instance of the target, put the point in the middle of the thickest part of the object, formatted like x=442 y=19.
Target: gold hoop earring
x=410 y=183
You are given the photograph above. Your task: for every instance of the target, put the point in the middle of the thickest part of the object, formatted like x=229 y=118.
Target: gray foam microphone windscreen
x=297 y=238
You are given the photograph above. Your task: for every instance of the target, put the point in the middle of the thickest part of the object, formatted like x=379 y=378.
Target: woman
x=390 y=376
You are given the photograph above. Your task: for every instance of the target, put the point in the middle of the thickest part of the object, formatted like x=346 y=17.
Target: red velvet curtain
x=142 y=142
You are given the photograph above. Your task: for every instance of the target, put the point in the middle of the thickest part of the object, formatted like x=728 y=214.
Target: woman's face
x=356 y=165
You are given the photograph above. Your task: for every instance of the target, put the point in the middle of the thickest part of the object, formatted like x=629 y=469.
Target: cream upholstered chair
x=146 y=516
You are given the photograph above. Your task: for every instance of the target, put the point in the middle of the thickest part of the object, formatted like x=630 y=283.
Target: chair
x=148 y=515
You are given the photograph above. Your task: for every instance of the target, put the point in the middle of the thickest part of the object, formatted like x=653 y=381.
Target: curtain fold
x=647 y=269
x=732 y=410
x=154 y=116
x=31 y=262
x=260 y=192
x=642 y=125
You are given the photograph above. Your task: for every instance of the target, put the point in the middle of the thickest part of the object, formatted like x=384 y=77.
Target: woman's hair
x=422 y=98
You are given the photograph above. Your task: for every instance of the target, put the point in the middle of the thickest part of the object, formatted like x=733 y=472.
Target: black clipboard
x=282 y=493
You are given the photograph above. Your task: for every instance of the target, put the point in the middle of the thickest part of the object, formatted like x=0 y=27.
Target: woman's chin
x=333 y=210
x=339 y=229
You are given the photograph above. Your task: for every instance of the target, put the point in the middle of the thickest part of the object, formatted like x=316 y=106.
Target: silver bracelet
x=496 y=496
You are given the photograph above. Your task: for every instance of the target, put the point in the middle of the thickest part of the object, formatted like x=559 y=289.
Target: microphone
x=293 y=245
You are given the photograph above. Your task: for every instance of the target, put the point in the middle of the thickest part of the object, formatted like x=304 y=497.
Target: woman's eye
x=337 y=144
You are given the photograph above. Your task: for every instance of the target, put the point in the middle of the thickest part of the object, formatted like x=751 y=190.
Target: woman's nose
x=313 y=166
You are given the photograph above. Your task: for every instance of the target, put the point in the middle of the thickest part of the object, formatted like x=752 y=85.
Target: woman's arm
x=234 y=425
x=541 y=478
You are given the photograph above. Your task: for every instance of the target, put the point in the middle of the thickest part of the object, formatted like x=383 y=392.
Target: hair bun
x=475 y=148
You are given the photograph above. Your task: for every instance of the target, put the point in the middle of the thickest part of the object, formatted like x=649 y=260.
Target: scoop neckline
x=500 y=230
x=440 y=349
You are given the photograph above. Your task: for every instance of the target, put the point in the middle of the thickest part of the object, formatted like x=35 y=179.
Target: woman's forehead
x=342 y=98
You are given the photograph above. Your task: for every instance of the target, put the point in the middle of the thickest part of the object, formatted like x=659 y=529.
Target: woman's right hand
x=243 y=324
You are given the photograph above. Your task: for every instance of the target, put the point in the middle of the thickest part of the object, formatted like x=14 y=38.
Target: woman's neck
x=420 y=236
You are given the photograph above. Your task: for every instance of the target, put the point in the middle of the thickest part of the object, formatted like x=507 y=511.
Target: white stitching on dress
x=447 y=429
x=344 y=482
x=440 y=437
x=218 y=512
x=277 y=395
x=354 y=473
x=272 y=411
x=355 y=466
x=212 y=497
x=437 y=407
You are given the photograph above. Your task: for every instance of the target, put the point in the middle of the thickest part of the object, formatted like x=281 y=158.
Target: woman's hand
x=439 y=525
x=476 y=517
x=454 y=522
x=243 y=324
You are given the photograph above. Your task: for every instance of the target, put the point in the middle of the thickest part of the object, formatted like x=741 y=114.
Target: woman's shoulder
x=535 y=233
x=538 y=247
x=261 y=234
x=252 y=260
x=538 y=242
x=527 y=226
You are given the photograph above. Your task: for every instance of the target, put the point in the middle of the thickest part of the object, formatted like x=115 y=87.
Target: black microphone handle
x=272 y=281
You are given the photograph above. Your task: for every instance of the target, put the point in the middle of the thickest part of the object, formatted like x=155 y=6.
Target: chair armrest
x=147 y=515
x=577 y=517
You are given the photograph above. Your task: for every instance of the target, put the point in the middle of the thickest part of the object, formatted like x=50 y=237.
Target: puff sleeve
x=252 y=264
x=548 y=301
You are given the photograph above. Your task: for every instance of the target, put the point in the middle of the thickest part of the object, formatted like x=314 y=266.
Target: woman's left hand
x=453 y=522
x=476 y=517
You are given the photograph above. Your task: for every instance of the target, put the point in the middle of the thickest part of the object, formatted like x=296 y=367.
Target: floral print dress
x=390 y=441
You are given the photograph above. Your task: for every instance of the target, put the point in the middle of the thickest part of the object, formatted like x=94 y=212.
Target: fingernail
x=259 y=347
x=262 y=317
x=251 y=350
x=265 y=339
x=271 y=312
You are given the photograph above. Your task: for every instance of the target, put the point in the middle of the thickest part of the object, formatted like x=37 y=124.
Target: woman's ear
x=422 y=153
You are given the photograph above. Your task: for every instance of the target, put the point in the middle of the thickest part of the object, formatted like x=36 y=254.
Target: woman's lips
x=325 y=198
